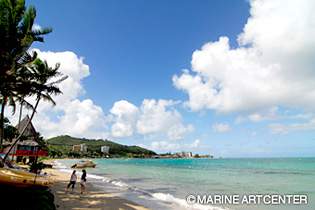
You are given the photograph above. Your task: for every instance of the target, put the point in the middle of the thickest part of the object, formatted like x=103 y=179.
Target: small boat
x=16 y=177
x=32 y=175
x=11 y=178
x=84 y=164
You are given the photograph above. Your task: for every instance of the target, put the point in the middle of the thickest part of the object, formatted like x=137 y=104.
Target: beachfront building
x=31 y=147
x=80 y=148
x=105 y=149
x=76 y=148
x=185 y=154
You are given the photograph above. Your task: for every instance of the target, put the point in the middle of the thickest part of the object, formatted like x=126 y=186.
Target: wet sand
x=93 y=198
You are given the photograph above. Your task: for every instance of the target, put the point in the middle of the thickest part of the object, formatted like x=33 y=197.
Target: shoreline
x=158 y=184
x=93 y=198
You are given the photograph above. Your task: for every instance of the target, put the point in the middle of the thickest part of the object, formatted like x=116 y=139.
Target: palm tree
x=43 y=87
x=27 y=76
x=16 y=37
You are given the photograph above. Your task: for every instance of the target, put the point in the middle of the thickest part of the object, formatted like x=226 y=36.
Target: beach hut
x=28 y=148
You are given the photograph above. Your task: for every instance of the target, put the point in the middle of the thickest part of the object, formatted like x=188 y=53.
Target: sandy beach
x=93 y=198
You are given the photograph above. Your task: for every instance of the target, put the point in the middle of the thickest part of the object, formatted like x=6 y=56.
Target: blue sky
x=226 y=78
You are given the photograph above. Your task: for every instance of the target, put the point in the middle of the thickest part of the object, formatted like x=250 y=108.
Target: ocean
x=213 y=184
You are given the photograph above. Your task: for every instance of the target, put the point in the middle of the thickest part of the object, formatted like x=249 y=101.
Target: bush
x=29 y=198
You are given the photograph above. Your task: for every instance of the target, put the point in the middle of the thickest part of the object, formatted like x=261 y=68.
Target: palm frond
x=19 y=8
x=47 y=97
x=43 y=31
x=25 y=103
x=28 y=20
x=27 y=58
x=59 y=80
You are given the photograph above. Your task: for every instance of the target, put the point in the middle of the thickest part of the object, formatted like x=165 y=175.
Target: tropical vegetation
x=22 y=74
x=62 y=146
x=16 y=37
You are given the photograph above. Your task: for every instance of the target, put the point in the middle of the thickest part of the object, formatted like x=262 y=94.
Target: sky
x=225 y=78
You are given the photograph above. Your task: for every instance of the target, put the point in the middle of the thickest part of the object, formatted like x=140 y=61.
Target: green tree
x=16 y=37
x=43 y=74
x=27 y=78
x=9 y=130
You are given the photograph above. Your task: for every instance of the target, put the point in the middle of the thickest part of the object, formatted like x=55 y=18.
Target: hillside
x=95 y=145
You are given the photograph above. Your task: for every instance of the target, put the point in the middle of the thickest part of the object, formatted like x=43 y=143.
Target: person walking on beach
x=83 y=180
x=73 y=180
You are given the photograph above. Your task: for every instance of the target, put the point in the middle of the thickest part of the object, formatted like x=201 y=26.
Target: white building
x=83 y=148
x=105 y=149
x=185 y=154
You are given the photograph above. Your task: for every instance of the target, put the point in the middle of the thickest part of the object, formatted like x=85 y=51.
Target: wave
x=58 y=164
x=162 y=197
x=168 y=198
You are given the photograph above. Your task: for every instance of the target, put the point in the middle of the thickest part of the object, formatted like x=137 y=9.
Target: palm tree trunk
x=4 y=102
x=21 y=133
x=20 y=116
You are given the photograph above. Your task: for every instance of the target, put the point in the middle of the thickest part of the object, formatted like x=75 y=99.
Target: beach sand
x=93 y=198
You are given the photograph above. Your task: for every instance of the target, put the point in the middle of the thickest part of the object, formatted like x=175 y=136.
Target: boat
x=84 y=164
x=7 y=163
x=32 y=175
x=14 y=176
x=9 y=177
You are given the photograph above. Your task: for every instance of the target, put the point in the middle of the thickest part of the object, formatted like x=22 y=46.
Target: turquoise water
x=170 y=181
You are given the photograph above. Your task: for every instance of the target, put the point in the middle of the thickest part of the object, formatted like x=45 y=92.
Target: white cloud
x=253 y=133
x=125 y=115
x=195 y=144
x=178 y=131
x=79 y=118
x=174 y=146
x=278 y=128
x=36 y=27
x=272 y=66
x=222 y=127
x=302 y=116
x=164 y=146
x=70 y=116
x=161 y=117
x=155 y=117
x=152 y=119
x=268 y=115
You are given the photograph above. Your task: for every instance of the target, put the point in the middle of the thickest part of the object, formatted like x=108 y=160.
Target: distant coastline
x=71 y=147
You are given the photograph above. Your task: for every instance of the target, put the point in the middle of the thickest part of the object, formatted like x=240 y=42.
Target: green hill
x=95 y=146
